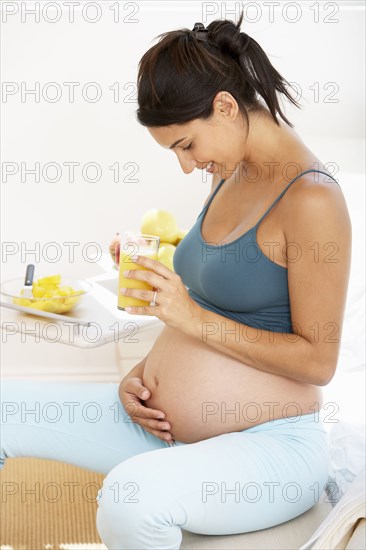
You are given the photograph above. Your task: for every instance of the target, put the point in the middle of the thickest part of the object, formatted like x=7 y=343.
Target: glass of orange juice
x=134 y=244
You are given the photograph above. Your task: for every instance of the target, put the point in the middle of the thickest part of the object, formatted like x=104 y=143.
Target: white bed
x=345 y=394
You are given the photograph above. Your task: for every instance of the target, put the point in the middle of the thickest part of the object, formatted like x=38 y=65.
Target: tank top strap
x=213 y=194
x=291 y=182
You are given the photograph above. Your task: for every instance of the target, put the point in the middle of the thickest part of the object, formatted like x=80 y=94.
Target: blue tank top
x=236 y=279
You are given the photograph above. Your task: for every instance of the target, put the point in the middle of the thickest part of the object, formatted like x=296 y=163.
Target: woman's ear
x=225 y=105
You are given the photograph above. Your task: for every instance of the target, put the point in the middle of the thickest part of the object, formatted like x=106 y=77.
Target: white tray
x=95 y=322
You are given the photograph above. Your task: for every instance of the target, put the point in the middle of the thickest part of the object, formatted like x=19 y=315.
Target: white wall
x=308 y=52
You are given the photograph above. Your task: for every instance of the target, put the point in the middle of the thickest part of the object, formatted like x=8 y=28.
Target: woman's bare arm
x=318 y=227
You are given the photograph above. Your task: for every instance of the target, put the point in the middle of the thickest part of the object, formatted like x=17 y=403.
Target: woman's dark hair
x=179 y=77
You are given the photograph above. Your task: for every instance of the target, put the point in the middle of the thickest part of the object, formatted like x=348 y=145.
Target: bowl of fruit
x=52 y=294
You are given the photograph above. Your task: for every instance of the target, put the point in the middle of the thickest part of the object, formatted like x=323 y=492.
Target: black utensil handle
x=29 y=275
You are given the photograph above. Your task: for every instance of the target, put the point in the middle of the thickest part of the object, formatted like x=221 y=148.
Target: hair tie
x=199 y=27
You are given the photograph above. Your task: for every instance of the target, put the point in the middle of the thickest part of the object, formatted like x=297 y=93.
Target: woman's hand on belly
x=131 y=394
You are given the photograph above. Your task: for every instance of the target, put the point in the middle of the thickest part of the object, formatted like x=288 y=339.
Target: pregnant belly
x=204 y=392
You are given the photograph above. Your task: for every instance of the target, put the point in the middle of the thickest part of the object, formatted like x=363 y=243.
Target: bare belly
x=205 y=393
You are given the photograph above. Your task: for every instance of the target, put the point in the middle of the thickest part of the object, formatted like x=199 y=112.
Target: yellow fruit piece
x=160 y=223
x=181 y=234
x=50 y=280
x=38 y=291
x=51 y=293
x=165 y=255
x=37 y=305
x=69 y=304
x=65 y=290
x=51 y=306
x=22 y=302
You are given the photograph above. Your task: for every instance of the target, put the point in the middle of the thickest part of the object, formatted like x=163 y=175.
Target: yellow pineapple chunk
x=38 y=291
x=52 y=306
x=38 y=305
x=22 y=302
x=51 y=280
x=50 y=293
x=65 y=291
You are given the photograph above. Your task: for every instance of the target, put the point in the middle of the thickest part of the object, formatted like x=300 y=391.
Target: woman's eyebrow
x=176 y=142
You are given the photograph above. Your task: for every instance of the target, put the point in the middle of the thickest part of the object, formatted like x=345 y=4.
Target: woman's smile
x=210 y=167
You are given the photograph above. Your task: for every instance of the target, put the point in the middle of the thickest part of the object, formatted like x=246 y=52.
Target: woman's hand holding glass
x=114 y=248
x=173 y=304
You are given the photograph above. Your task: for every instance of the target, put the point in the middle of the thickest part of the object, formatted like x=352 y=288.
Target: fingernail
x=144 y=394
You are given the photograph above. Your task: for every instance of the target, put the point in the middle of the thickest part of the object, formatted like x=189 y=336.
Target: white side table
x=103 y=347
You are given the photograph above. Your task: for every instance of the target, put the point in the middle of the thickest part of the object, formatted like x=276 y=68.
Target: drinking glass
x=133 y=244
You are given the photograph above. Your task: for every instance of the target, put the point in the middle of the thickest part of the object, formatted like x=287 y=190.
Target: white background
x=319 y=48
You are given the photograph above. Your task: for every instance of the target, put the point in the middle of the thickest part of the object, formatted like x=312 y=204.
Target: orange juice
x=126 y=263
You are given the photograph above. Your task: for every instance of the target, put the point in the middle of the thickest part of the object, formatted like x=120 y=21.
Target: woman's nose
x=187 y=164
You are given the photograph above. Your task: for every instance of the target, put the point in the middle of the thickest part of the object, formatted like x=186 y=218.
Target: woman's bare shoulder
x=316 y=192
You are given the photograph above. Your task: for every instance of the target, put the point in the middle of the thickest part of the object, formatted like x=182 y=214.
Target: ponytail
x=179 y=77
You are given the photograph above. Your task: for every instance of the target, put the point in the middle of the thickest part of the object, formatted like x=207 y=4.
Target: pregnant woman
x=219 y=429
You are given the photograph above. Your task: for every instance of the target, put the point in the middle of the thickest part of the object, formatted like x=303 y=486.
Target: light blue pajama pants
x=229 y=484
